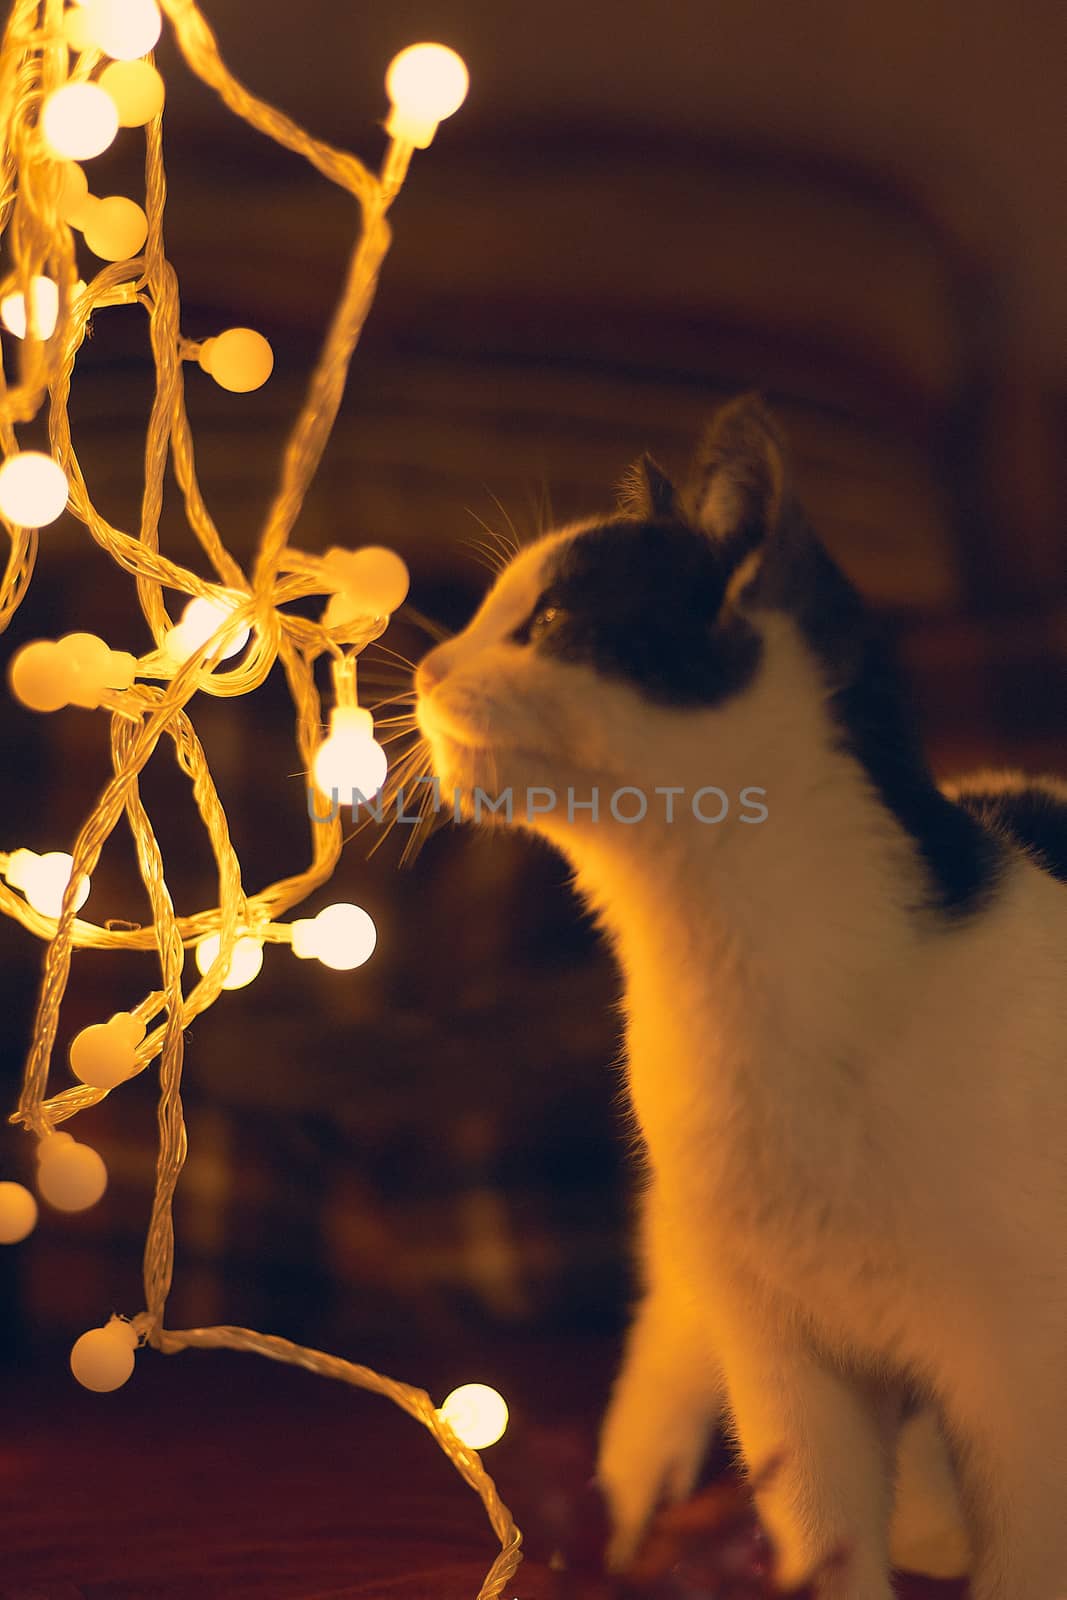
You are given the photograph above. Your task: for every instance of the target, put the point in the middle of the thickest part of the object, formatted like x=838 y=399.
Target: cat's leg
x=1010 y=1449
x=666 y=1400
x=832 y=1437
x=927 y=1533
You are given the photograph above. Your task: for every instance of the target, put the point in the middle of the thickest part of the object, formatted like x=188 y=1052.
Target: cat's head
x=626 y=650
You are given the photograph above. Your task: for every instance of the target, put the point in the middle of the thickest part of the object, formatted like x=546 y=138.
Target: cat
x=846 y=1027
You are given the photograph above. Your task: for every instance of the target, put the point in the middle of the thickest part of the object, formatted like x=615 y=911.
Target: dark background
x=641 y=210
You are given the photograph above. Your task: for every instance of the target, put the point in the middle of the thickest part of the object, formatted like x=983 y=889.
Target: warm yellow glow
x=76 y=32
x=115 y=228
x=425 y=83
x=374 y=582
x=137 y=90
x=105 y=1054
x=70 y=1176
x=103 y=1358
x=33 y=489
x=342 y=936
x=201 y=618
x=123 y=28
x=44 y=298
x=476 y=1413
x=350 y=760
x=79 y=120
x=75 y=670
x=74 y=197
x=244 y=965
x=43 y=879
x=239 y=359
x=18 y=1213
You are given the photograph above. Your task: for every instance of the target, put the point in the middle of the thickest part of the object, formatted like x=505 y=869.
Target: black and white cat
x=846 y=1027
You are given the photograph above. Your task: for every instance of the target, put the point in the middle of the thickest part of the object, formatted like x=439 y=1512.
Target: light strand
x=35 y=63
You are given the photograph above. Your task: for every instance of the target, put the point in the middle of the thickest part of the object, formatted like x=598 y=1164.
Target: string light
x=43 y=879
x=52 y=122
x=372 y=582
x=239 y=359
x=342 y=936
x=79 y=121
x=18 y=1213
x=33 y=489
x=350 y=761
x=426 y=83
x=44 y=299
x=115 y=228
x=245 y=963
x=137 y=90
x=476 y=1414
x=103 y=1358
x=70 y=1176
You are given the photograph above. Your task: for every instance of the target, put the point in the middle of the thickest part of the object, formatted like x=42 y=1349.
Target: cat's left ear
x=645 y=491
x=738 y=483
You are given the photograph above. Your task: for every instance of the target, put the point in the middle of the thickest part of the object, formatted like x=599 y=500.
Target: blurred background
x=640 y=210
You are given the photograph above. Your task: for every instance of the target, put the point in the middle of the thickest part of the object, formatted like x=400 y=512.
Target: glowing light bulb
x=79 y=120
x=70 y=1176
x=43 y=879
x=76 y=29
x=137 y=90
x=477 y=1414
x=123 y=28
x=74 y=198
x=201 y=618
x=245 y=963
x=342 y=936
x=425 y=83
x=18 y=1213
x=44 y=298
x=103 y=1358
x=33 y=489
x=105 y=1053
x=76 y=670
x=115 y=228
x=239 y=359
x=350 y=762
x=374 y=582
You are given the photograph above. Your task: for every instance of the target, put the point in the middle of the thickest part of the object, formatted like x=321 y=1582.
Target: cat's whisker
x=515 y=544
x=437 y=631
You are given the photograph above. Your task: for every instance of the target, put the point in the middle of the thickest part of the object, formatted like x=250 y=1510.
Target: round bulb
x=115 y=228
x=201 y=618
x=33 y=489
x=70 y=1176
x=239 y=359
x=74 y=196
x=76 y=30
x=18 y=1212
x=105 y=1054
x=425 y=83
x=245 y=963
x=137 y=90
x=79 y=121
x=476 y=1414
x=342 y=936
x=43 y=879
x=374 y=578
x=103 y=1358
x=39 y=677
x=123 y=28
x=350 y=761
x=44 y=297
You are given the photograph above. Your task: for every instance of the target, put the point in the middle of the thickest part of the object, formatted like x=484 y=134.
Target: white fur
x=854 y=1114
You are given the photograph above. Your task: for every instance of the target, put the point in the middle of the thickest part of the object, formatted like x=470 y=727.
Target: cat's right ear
x=737 y=484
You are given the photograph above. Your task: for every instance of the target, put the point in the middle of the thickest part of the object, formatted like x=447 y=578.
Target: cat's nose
x=431 y=669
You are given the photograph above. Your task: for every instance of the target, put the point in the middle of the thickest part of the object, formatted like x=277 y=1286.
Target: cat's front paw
x=646 y=1457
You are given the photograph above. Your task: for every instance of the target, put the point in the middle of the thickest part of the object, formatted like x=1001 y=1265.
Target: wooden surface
x=225 y=1478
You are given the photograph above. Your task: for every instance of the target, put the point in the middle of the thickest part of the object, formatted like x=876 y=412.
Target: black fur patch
x=640 y=601
x=1032 y=814
x=964 y=861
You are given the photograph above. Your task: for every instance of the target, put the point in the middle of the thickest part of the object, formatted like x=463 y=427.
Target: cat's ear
x=645 y=491
x=738 y=482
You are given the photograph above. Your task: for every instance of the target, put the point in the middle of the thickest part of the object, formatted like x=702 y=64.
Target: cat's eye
x=542 y=620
